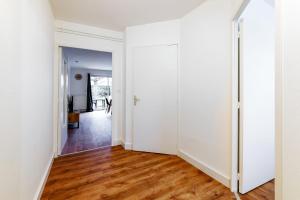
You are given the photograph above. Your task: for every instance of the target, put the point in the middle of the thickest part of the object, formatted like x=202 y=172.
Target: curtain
x=89 y=98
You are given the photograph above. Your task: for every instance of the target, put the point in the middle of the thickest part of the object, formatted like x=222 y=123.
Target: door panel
x=155 y=89
x=257 y=100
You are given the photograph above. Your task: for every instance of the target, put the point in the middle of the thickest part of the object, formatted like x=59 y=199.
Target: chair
x=109 y=104
x=109 y=107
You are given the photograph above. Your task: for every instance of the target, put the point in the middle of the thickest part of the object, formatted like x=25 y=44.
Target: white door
x=155 y=99
x=63 y=101
x=257 y=96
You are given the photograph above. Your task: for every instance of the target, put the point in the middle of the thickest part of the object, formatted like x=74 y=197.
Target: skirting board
x=126 y=145
x=205 y=168
x=42 y=184
x=116 y=142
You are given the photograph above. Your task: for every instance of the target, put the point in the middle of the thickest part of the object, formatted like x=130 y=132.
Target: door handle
x=135 y=100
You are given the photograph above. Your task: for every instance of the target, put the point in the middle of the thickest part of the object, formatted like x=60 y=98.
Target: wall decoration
x=78 y=77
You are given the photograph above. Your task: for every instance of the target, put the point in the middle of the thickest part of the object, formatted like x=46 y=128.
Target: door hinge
x=238 y=176
x=135 y=100
x=238 y=105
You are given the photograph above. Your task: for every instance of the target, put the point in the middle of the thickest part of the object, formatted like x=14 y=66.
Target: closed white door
x=257 y=96
x=155 y=99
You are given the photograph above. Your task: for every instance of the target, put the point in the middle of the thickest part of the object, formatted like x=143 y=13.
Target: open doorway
x=87 y=95
x=254 y=100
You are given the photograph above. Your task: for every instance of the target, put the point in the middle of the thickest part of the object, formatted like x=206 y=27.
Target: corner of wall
x=205 y=168
x=44 y=178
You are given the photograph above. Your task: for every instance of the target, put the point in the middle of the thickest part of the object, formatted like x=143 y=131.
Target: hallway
x=94 y=132
x=204 y=98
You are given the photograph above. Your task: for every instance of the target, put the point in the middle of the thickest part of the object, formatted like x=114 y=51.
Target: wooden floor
x=94 y=132
x=112 y=173
x=264 y=192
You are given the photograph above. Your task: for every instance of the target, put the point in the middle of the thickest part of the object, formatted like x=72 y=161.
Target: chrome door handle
x=135 y=100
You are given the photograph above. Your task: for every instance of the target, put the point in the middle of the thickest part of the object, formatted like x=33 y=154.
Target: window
x=101 y=88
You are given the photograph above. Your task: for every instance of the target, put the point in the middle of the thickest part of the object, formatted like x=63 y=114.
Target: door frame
x=61 y=95
x=130 y=146
x=235 y=102
x=60 y=73
x=97 y=41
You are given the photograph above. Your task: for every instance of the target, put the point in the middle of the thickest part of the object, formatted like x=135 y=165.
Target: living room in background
x=87 y=99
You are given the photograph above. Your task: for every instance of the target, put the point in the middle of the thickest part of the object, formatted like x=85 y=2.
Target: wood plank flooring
x=115 y=174
x=264 y=192
x=94 y=132
x=112 y=173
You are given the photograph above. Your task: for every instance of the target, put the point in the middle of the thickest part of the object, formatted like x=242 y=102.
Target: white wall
x=86 y=37
x=26 y=88
x=10 y=74
x=36 y=94
x=288 y=104
x=166 y=32
x=205 y=121
x=78 y=88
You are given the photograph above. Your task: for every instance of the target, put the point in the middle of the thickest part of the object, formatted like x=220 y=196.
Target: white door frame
x=235 y=104
x=59 y=149
x=94 y=42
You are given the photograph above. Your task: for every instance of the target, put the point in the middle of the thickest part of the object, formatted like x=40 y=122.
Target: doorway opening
x=253 y=136
x=86 y=88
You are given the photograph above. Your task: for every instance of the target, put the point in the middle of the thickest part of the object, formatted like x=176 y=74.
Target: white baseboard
x=116 y=142
x=126 y=145
x=42 y=184
x=205 y=168
x=123 y=144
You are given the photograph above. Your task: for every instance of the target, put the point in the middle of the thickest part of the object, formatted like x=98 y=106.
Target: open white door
x=155 y=99
x=63 y=102
x=257 y=96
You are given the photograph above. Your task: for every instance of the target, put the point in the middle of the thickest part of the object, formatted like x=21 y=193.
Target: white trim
x=126 y=145
x=83 y=151
x=178 y=95
x=237 y=196
x=43 y=181
x=116 y=142
x=123 y=144
x=234 y=113
x=241 y=10
x=85 y=30
x=205 y=168
x=86 y=34
x=235 y=104
x=279 y=98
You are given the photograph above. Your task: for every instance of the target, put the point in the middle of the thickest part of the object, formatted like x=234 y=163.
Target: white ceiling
x=271 y=2
x=118 y=14
x=88 y=59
